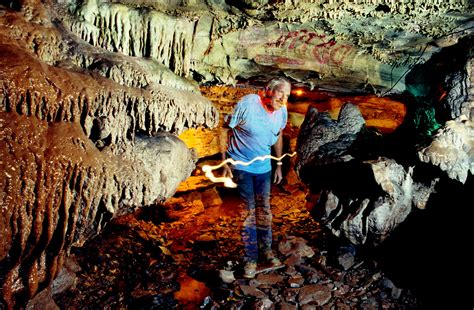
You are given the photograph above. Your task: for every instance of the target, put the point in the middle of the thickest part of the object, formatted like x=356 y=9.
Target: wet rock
x=293 y=260
x=211 y=198
x=346 y=260
x=42 y=300
x=315 y=293
x=66 y=278
x=395 y=292
x=153 y=301
x=370 y=303
x=269 y=279
x=341 y=290
x=343 y=306
x=207 y=237
x=296 y=281
x=252 y=291
x=287 y=306
x=263 y=304
x=295 y=246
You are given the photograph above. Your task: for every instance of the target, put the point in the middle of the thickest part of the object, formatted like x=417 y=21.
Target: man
x=255 y=126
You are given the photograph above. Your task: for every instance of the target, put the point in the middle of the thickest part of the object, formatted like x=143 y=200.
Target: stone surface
x=78 y=148
x=59 y=190
x=362 y=200
x=94 y=92
x=452 y=149
x=133 y=242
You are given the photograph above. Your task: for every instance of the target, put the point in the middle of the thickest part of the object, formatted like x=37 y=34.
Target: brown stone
x=315 y=293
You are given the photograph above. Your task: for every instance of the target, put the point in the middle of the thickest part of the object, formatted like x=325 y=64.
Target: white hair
x=277 y=82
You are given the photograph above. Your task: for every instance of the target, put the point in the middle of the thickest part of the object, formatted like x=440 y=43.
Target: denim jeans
x=254 y=189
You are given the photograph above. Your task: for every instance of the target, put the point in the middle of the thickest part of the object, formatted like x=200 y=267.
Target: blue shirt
x=253 y=132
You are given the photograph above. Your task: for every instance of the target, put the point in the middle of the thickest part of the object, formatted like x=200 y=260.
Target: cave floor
x=171 y=256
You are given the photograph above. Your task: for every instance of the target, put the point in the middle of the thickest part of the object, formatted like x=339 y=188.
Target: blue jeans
x=254 y=189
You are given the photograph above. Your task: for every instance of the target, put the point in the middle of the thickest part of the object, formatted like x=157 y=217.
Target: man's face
x=279 y=97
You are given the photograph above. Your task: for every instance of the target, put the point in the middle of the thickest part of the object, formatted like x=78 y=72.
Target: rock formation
x=367 y=183
x=94 y=93
x=79 y=148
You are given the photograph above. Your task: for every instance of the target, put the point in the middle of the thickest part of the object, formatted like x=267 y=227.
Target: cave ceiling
x=342 y=46
x=345 y=46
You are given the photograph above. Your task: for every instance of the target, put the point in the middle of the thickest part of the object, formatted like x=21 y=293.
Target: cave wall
x=388 y=176
x=79 y=146
x=94 y=93
x=368 y=45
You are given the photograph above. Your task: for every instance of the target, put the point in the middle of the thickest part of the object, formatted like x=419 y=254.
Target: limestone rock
x=58 y=190
x=452 y=150
x=362 y=199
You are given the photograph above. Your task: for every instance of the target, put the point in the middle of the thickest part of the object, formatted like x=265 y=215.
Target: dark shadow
x=430 y=251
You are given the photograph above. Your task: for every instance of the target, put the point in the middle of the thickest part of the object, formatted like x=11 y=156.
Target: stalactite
x=69 y=192
x=165 y=104
x=58 y=195
x=136 y=33
x=339 y=9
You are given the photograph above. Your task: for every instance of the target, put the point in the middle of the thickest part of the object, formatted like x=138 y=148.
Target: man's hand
x=278 y=175
x=226 y=171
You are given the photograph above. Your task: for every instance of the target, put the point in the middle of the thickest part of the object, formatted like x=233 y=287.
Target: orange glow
x=191 y=292
x=298 y=92
x=228 y=182
x=442 y=95
x=385 y=114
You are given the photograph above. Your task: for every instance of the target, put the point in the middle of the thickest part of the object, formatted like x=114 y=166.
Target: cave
x=110 y=113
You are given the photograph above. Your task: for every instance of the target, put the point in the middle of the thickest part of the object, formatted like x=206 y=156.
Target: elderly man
x=254 y=126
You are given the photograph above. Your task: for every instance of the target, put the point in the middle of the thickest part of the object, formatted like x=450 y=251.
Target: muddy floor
x=187 y=254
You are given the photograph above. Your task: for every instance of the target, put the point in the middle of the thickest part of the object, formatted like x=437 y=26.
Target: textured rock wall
x=339 y=46
x=334 y=44
x=136 y=32
x=58 y=189
x=452 y=148
x=362 y=195
x=93 y=91
x=470 y=82
x=368 y=184
x=85 y=135
x=54 y=94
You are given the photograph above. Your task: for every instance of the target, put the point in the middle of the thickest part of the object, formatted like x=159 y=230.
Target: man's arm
x=278 y=148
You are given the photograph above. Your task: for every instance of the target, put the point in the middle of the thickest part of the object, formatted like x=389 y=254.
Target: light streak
x=228 y=182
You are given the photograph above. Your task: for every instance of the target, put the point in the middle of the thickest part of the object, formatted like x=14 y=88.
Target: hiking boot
x=272 y=259
x=250 y=269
